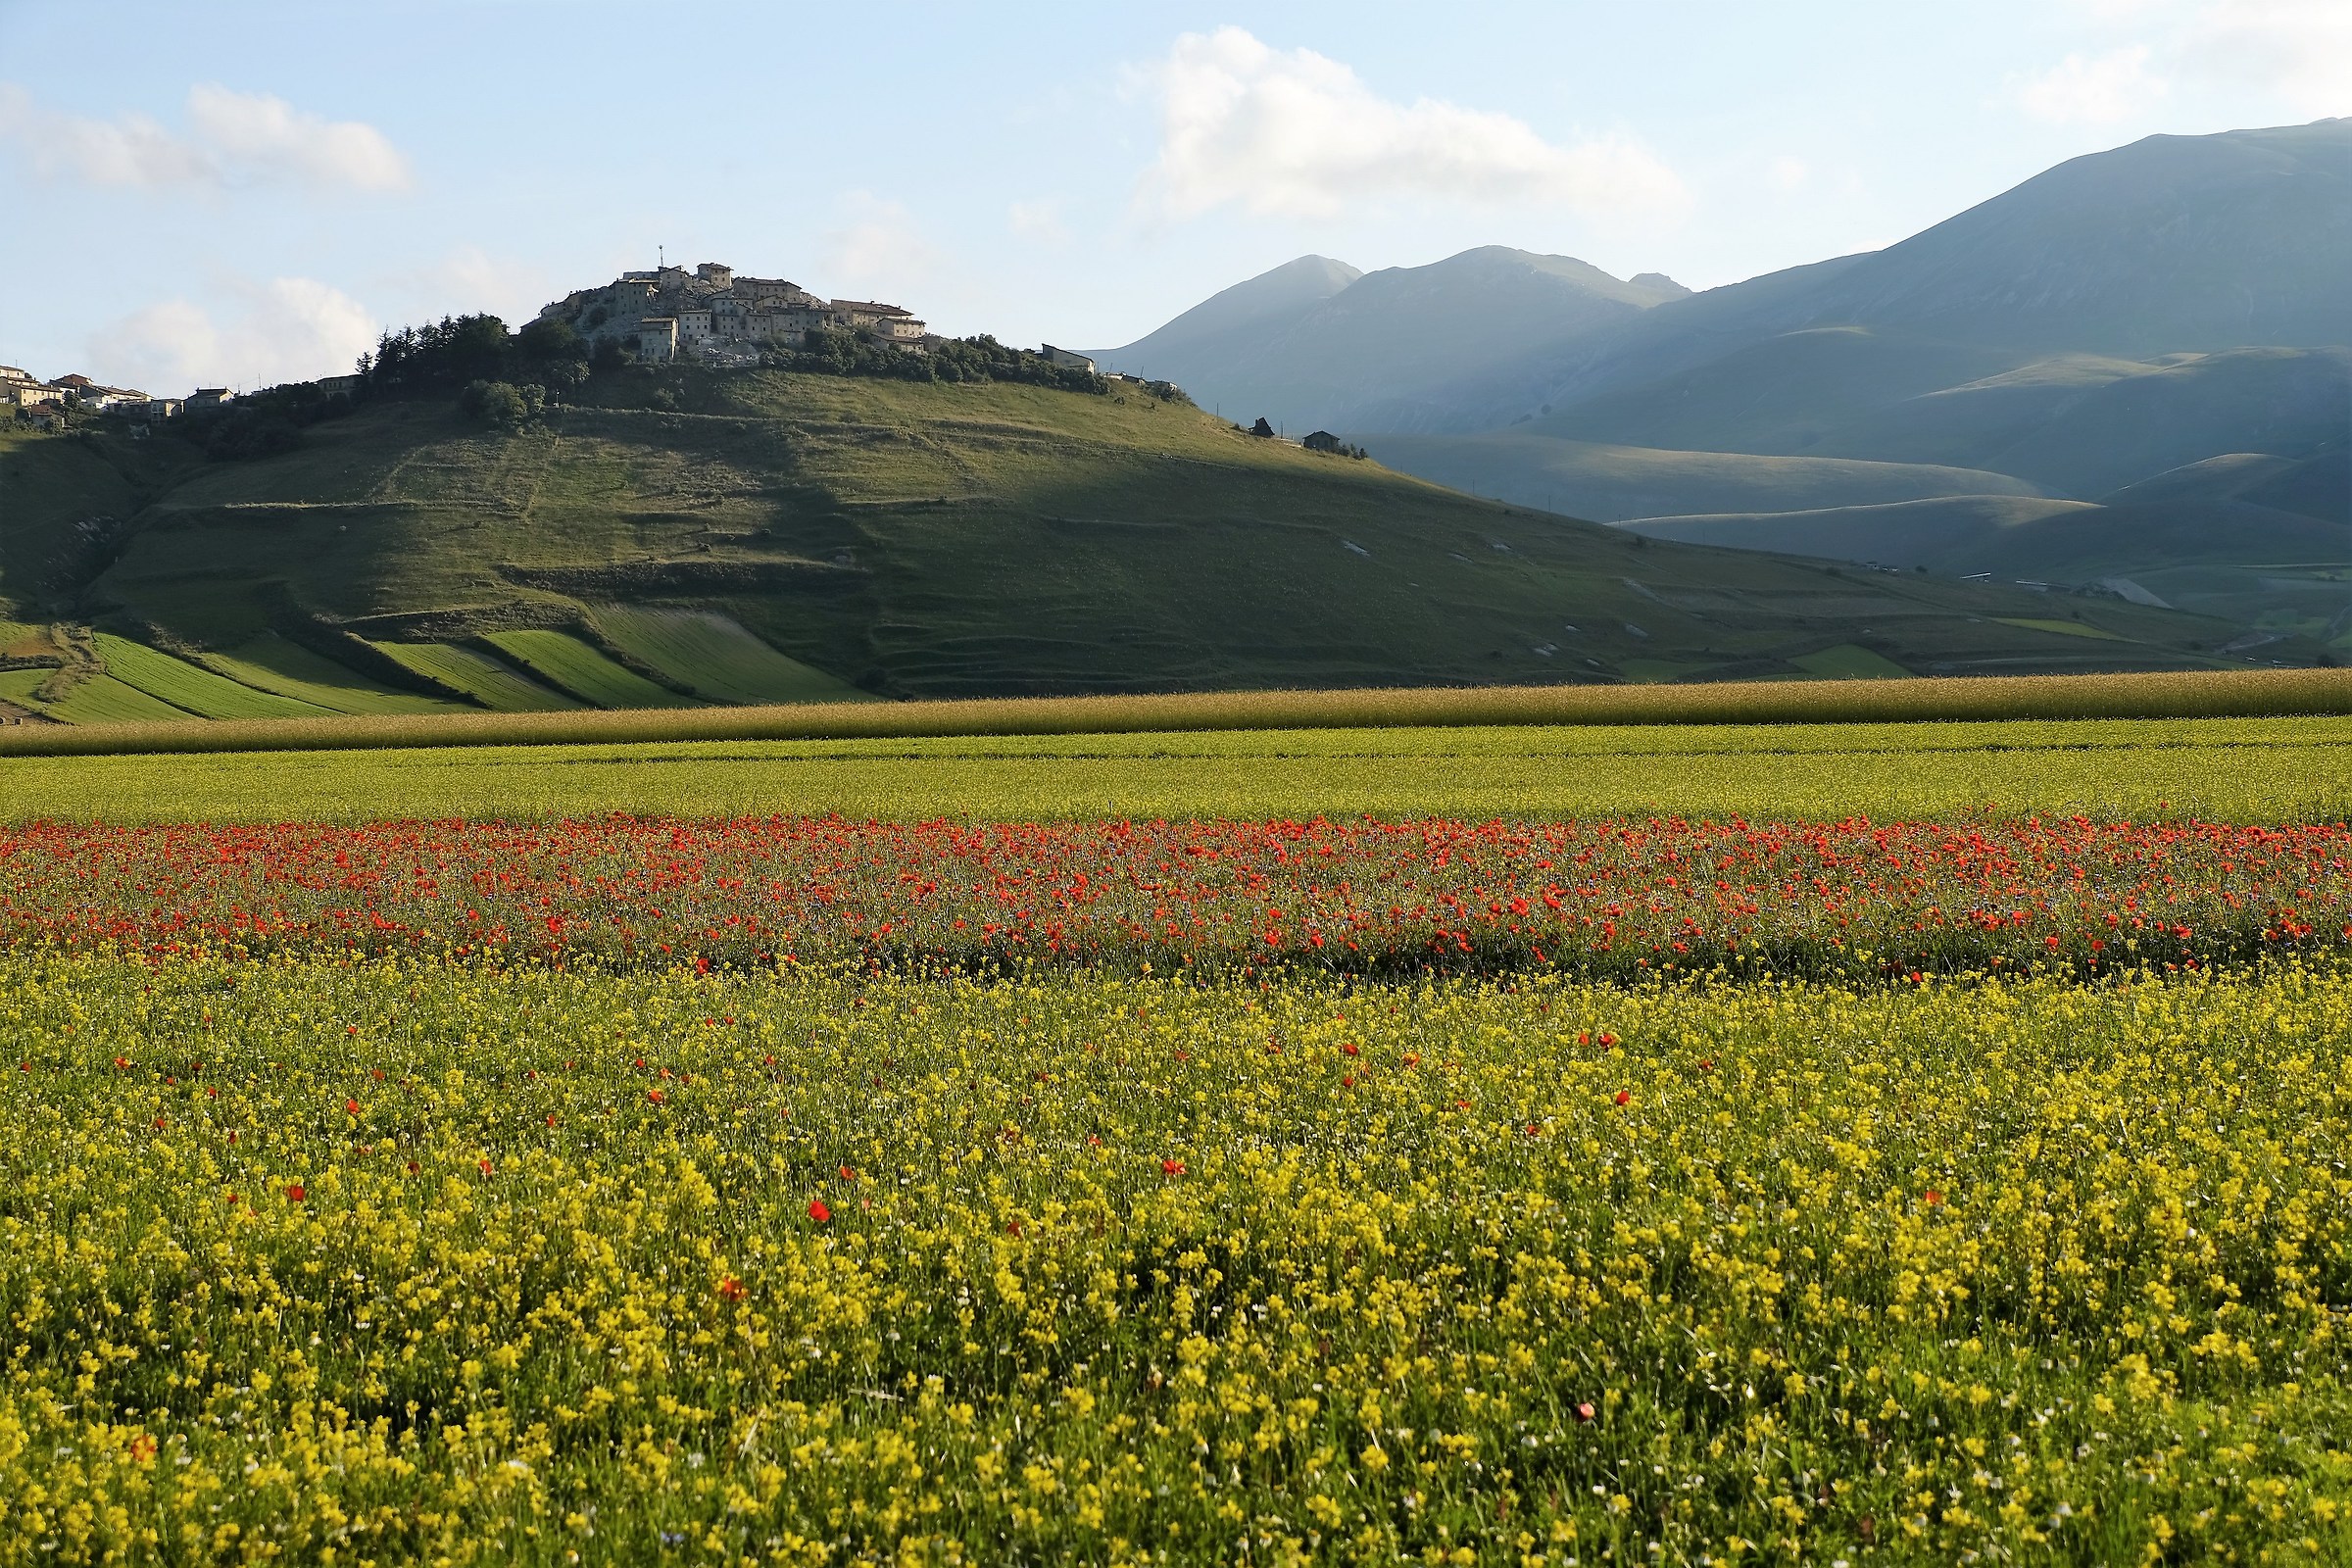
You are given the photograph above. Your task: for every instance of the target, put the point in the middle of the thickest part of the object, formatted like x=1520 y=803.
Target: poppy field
x=1606 y=897
x=1540 y=1188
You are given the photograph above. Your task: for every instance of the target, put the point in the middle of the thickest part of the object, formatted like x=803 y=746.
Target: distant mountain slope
x=1610 y=483
x=1370 y=353
x=1231 y=324
x=937 y=539
x=2172 y=244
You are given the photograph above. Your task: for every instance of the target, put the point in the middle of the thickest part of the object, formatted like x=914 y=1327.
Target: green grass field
x=480 y=676
x=572 y=665
x=717 y=657
x=2297 y=769
x=104 y=700
x=196 y=690
x=271 y=664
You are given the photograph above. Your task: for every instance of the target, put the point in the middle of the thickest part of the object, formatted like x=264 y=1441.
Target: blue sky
x=246 y=193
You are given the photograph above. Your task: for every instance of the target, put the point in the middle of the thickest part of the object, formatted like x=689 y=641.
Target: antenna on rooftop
x=660 y=256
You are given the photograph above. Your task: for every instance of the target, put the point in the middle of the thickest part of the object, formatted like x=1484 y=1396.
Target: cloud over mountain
x=1296 y=135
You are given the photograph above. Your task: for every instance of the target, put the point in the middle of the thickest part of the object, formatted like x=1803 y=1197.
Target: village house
x=1064 y=359
x=655 y=339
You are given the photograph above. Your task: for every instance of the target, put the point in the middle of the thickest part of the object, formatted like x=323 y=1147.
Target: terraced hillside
x=737 y=537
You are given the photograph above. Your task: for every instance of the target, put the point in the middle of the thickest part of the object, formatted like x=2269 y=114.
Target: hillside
x=703 y=536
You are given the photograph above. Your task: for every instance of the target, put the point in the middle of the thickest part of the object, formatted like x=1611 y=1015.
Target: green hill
x=694 y=535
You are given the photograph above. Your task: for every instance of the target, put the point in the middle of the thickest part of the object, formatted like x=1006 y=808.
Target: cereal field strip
x=2212 y=694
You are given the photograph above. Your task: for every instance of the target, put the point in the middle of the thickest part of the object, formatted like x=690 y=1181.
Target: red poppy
x=731 y=1288
x=1624 y=1097
x=1171 y=1168
x=295 y=1194
x=654 y=1095
x=1353 y=1048
x=1584 y=1412
x=351 y=1107
x=818 y=1212
x=1934 y=1197
x=122 y=1062
x=485 y=1164
x=847 y=1174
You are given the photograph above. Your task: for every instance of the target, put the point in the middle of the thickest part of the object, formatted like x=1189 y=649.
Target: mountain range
x=2149 y=344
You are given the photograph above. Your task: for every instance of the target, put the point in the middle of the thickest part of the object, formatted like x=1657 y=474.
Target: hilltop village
x=666 y=314
x=713 y=315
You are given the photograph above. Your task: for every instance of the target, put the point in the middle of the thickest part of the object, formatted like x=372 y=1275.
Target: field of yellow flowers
x=372 y=1259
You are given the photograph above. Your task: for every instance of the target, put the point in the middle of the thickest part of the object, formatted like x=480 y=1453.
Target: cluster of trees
x=261 y=425
x=967 y=359
x=460 y=349
x=503 y=405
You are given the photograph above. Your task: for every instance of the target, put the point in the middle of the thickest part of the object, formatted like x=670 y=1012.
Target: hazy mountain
x=1228 y=325
x=2172 y=244
x=1372 y=352
x=1610 y=483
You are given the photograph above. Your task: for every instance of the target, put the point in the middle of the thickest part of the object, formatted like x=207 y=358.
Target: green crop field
x=105 y=700
x=271 y=664
x=2230 y=770
x=477 y=675
x=717 y=657
x=189 y=687
x=572 y=665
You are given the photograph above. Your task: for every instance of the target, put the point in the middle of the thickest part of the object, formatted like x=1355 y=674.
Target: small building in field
x=1064 y=359
x=208 y=397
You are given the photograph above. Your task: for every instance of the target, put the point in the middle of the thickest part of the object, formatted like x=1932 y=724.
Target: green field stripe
x=271 y=664
x=104 y=700
x=480 y=676
x=198 y=690
x=716 y=656
x=573 y=665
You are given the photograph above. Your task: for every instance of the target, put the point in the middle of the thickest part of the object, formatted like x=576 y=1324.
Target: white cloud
x=235 y=140
x=2092 y=89
x=1299 y=134
x=2298 y=49
x=269 y=137
x=466 y=280
x=1039 y=220
x=879 y=249
x=289 y=329
x=1789 y=174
